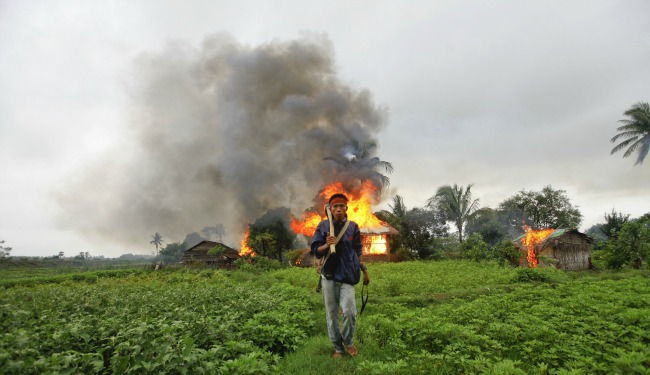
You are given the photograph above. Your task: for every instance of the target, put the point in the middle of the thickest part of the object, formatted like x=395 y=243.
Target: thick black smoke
x=221 y=134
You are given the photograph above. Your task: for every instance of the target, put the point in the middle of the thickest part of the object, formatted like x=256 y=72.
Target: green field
x=447 y=317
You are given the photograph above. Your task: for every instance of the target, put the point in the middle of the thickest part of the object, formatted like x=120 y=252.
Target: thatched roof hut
x=199 y=254
x=569 y=249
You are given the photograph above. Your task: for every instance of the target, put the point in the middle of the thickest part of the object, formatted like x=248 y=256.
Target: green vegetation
x=156 y=240
x=154 y=322
x=635 y=132
x=5 y=251
x=548 y=208
x=445 y=317
x=456 y=205
x=217 y=250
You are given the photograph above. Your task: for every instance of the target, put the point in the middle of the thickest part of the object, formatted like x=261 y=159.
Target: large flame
x=359 y=211
x=375 y=244
x=308 y=225
x=244 y=249
x=531 y=240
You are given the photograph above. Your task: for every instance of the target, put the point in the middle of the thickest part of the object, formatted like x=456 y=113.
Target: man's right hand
x=330 y=240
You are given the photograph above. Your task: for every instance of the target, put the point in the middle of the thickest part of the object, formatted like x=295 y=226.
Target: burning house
x=199 y=253
x=374 y=232
x=567 y=249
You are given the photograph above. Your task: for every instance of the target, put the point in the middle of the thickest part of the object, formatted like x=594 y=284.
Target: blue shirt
x=344 y=265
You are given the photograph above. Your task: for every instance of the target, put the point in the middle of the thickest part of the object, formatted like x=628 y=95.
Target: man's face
x=339 y=210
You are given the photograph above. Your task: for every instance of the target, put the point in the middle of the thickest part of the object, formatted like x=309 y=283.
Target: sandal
x=352 y=350
x=337 y=355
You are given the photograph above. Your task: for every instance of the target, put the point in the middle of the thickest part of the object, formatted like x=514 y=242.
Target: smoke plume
x=221 y=134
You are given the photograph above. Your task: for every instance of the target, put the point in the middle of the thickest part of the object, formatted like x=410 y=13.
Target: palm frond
x=635 y=132
x=622 y=145
x=643 y=150
x=385 y=181
x=633 y=147
x=367 y=149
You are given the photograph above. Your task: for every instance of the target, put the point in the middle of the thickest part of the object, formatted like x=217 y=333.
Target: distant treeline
x=125 y=261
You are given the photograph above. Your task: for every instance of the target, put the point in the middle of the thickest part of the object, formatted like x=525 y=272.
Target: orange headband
x=338 y=200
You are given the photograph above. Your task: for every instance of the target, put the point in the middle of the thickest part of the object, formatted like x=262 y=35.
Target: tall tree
x=173 y=252
x=548 y=208
x=263 y=243
x=359 y=158
x=397 y=218
x=613 y=223
x=486 y=222
x=631 y=246
x=417 y=228
x=270 y=234
x=455 y=203
x=635 y=132
x=156 y=240
x=4 y=251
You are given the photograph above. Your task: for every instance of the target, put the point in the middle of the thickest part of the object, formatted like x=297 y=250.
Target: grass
x=442 y=317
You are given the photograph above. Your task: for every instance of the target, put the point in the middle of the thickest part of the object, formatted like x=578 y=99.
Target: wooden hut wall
x=199 y=253
x=572 y=252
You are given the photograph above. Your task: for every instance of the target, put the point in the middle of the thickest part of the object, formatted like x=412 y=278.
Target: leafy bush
x=525 y=275
x=540 y=274
x=506 y=253
x=403 y=254
x=582 y=326
x=631 y=246
x=257 y=263
x=158 y=322
x=294 y=256
x=217 y=250
x=474 y=248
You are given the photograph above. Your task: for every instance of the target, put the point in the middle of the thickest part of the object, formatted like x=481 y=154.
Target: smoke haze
x=220 y=134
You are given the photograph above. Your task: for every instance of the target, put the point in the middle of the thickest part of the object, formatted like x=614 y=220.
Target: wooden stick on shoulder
x=329 y=216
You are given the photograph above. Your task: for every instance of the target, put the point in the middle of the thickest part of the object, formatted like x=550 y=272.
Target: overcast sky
x=504 y=95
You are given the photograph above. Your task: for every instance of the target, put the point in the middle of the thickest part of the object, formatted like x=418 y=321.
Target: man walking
x=340 y=272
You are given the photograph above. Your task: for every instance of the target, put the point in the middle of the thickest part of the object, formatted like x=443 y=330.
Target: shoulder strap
x=345 y=227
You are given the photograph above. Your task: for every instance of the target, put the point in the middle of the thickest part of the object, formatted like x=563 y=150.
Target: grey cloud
x=221 y=134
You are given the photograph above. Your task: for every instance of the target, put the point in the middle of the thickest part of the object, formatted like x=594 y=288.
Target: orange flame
x=359 y=211
x=245 y=250
x=375 y=244
x=308 y=225
x=531 y=240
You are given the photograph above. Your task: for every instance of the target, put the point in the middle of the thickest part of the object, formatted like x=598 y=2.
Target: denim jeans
x=341 y=295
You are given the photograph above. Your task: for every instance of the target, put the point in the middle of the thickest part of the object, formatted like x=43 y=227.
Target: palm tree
x=396 y=217
x=157 y=240
x=398 y=207
x=455 y=204
x=358 y=156
x=635 y=131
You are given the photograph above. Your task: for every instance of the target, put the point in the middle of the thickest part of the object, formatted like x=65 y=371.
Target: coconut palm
x=635 y=131
x=396 y=217
x=455 y=204
x=358 y=157
x=157 y=240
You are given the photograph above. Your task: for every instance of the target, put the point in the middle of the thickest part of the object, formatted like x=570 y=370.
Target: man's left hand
x=366 y=278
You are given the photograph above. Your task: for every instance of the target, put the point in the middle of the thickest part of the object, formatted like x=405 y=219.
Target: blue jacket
x=344 y=265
